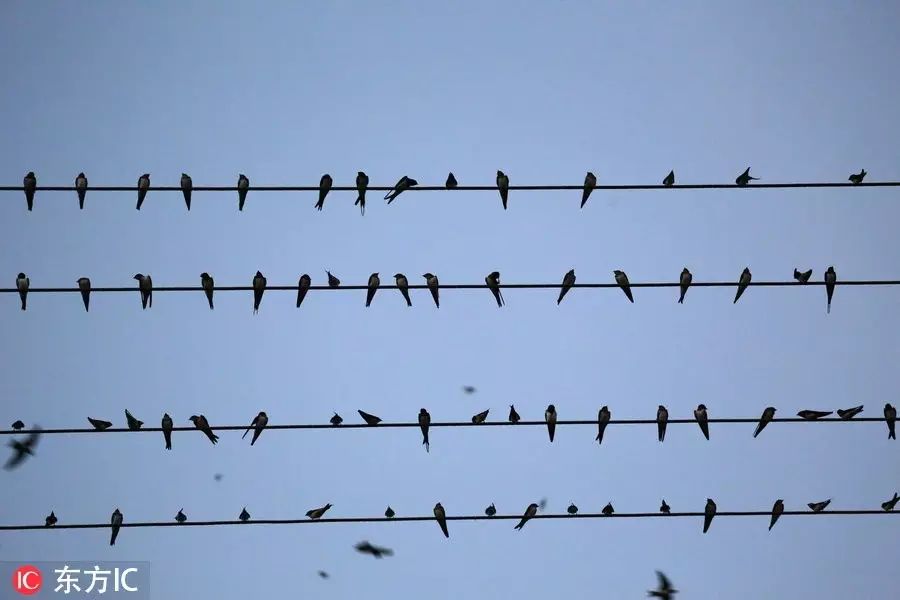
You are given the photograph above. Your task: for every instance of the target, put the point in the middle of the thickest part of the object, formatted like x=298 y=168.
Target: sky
x=545 y=91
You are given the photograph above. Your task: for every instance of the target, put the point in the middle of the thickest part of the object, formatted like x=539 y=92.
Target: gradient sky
x=803 y=91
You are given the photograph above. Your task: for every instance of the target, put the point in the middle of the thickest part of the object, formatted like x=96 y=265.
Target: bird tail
x=245 y=433
x=828 y=309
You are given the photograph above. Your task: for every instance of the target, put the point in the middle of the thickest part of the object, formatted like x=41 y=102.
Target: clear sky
x=285 y=92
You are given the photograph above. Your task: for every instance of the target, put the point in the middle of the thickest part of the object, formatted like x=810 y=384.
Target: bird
x=669 y=180
x=29 y=184
x=218 y=477
x=856 y=178
x=336 y=420
x=433 y=286
x=513 y=415
x=665 y=508
x=322 y=574
x=51 y=520
x=744 y=178
x=608 y=509
x=481 y=417
x=890 y=417
x=664 y=589
x=22 y=449
x=243 y=185
x=145 y=287
x=550 y=418
x=493 y=283
x=187 y=185
x=133 y=423
x=766 y=418
x=116 y=522
x=590 y=182
x=143 y=185
x=812 y=415
x=491 y=510
x=503 y=187
x=362 y=183
x=244 y=516
x=167 y=425
x=202 y=424
x=572 y=510
x=529 y=513
x=389 y=513
x=889 y=505
x=258 y=424
x=441 y=516
x=451 y=182
x=743 y=282
x=662 y=418
x=777 y=509
x=802 y=276
x=817 y=507
x=469 y=389
x=333 y=282
x=622 y=280
x=702 y=419
x=603 y=416
x=81 y=184
x=324 y=186
x=365 y=547
x=18 y=425
x=369 y=419
x=401 y=186
x=849 y=413
x=22 y=284
x=424 y=422
x=99 y=424
x=830 y=280
x=84 y=284
x=708 y=513
x=685 y=281
x=403 y=285
x=208 y=285
x=316 y=513
x=567 y=283
x=302 y=287
x=259 y=287
x=372 y=287
x=180 y=517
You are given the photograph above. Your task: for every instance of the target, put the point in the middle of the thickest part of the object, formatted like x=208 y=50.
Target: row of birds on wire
x=492 y=281
x=29 y=185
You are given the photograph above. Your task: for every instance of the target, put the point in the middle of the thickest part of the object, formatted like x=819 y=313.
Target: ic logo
x=27 y=580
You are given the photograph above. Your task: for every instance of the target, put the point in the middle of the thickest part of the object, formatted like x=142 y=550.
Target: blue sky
x=544 y=91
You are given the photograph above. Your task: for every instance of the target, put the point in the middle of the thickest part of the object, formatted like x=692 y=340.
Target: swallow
x=23 y=449
x=802 y=276
x=180 y=517
x=167 y=430
x=608 y=509
x=830 y=280
x=451 y=182
x=81 y=184
x=362 y=183
x=208 y=285
x=550 y=418
x=856 y=178
x=665 y=508
x=316 y=513
x=187 y=185
x=116 y=523
x=303 y=287
x=480 y=417
x=662 y=419
x=258 y=424
x=468 y=389
x=702 y=419
x=491 y=510
x=365 y=547
x=324 y=187
x=513 y=415
x=669 y=180
x=766 y=418
x=424 y=422
x=29 y=184
x=493 y=283
x=322 y=574
x=743 y=282
x=572 y=510
x=133 y=424
x=202 y=424
x=389 y=513
x=441 y=516
x=336 y=420
x=433 y=286
x=259 y=287
x=567 y=283
x=529 y=513
x=812 y=415
x=708 y=513
x=503 y=187
x=590 y=182
x=602 y=421
x=145 y=287
x=890 y=417
x=685 y=281
x=243 y=185
x=403 y=285
x=84 y=284
x=622 y=280
x=369 y=419
x=889 y=505
x=819 y=506
x=143 y=185
x=333 y=282
x=404 y=184
x=664 y=589
x=18 y=425
x=51 y=520
x=374 y=282
x=22 y=284
x=849 y=413
x=744 y=178
x=244 y=516
x=99 y=424
x=777 y=509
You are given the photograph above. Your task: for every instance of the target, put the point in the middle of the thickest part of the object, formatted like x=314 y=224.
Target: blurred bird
x=187 y=185
x=890 y=504
x=777 y=509
x=567 y=283
x=493 y=283
x=22 y=284
x=685 y=281
x=116 y=523
x=202 y=424
x=664 y=589
x=322 y=574
x=622 y=280
x=259 y=287
x=18 y=425
x=451 y=182
x=362 y=183
x=608 y=509
x=491 y=510
x=662 y=419
x=374 y=282
x=336 y=420
x=258 y=424
x=441 y=517
x=766 y=418
x=743 y=282
x=369 y=419
x=167 y=430
x=333 y=281
x=572 y=510
x=890 y=417
x=243 y=185
x=513 y=415
x=812 y=415
x=22 y=449
x=819 y=506
x=503 y=187
x=529 y=513
x=665 y=508
x=99 y=424
x=708 y=513
x=389 y=513
x=802 y=277
x=81 y=184
x=856 y=178
x=480 y=417
x=218 y=477
x=244 y=516
x=590 y=182
x=316 y=513
x=180 y=517
x=365 y=547
x=550 y=418
x=143 y=185
x=401 y=186
x=603 y=416
x=702 y=419
x=208 y=285
x=403 y=285
x=51 y=520
x=433 y=286
x=29 y=184
x=849 y=413
x=303 y=287
x=424 y=422
x=84 y=285
x=133 y=424
x=469 y=389
x=744 y=178
x=830 y=280
x=669 y=180
x=145 y=287
x=324 y=186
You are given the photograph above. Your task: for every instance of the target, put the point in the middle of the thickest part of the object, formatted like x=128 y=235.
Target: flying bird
x=665 y=508
x=369 y=419
x=889 y=505
x=503 y=187
x=433 y=286
x=451 y=182
x=29 y=185
x=259 y=287
x=202 y=424
x=133 y=423
x=662 y=419
x=51 y=520
x=22 y=284
x=208 y=285
x=324 y=186
x=143 y=185
x=856 y=178
x=590 y=182
x=513 y=415
x=258 y=424
x=99 y=424
x=389 y=513
x=180 y=517
x=322 y=574
x=469 y=389
x=685 y=281
x=744 y=178
x=802 y=277
x=243 y=185
x=365 y=547
x=830 y=280
x=333 y=282
x=187 y=185
x=167 y=425
x=441 y=516
x=664 y=589
x=567 y=283
x=608 y=509
x=374 y=282
x=491 y=510
x=849 y=413
x=777 y=509
x=362 y=183
x=480 y=417
x=817 y=507
x=743 y=282
x=602 y=421
x=890 y=417
x=244 y=516
x=22 y=449
x=403 y=285
x=702 y=419
x=84 y=284
x=336 y=420
x=812 y=415
x=116 y=523
x=708 y=513
x=550 y=418
x=529 y=513
x=145 y=287
x=572 y=510
x=303 y=287
x=669 y=180
x=424 y=422
x=493 y=283
x=622 y=280
x=81 y=184
x=316 y=513
x=17 y=425
x=766 y=418
x=404 y=184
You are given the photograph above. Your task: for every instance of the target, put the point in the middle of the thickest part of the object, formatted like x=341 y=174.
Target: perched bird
x=702 y=419
x=819 y=506
x=802 y=277
x=493 y=283
x=777 y=509
x=29 y=185
x=208 y=285
x=81 y=184
x=322 y=574
x=830 y=280
x=766 y=418
x=374 y=282
x=369 y=419
x=401 y=186
x=243 y=185
x=433 y=286
x=333 y=281
x=99 y=424
x=51 y=520
x=744 y=178
x=529 y=513
x=316 y=513
x=84 y=284
x=590 y=182
x=18 y=425
x=258 y=424
x=669 y=179
x=603 y=416
x=133 y=423
x=665 y=508
x=362 y=183
x=685 y=281
x=708 y=513
x=856 y=178
x=259 y=287
x=469 y=389
x=116 y=523
x=180 y=517
x=890 y=504
x=662 y=419
x=550 y=418
x=167 y=425
x=202 y=424
x=849 y=413
x=403 y=285
x=890 y=417
x=664 y=589
x=513 y=415
x=365 y=547
x=143 y=185
x=503 y=186
x=441 y=517
x=303 y=287
x=244 y=516
x=567 y=283
x=812 y=415
x=451 y=182
x=743 y=282
x=324 y=186
x=622 y=280
x=389 y=513
x=608 y=509
x=480 y=417
x=491 y=510
x=22 y=284
x=336 y=420
x=22 y=449
x=187 y=185
x=572 y=510
x=145 y=287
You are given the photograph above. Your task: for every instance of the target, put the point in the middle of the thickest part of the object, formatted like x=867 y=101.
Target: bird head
x=20 y=276
x=551 y=408
x=81 y=175
x=263 y=414
x=830 y=270
x=411 y=181
x=193 y=419
x=204 y=275
x=427 y=275
x=30 y=174
x=701 y=407
x=422 y=411
x=259 y=274
x=398 y=275
x=618 y=273
x=495 y=275
x=185 y=176
x=138 y=276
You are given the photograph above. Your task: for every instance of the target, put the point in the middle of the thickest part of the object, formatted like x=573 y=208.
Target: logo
x=27 y=580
